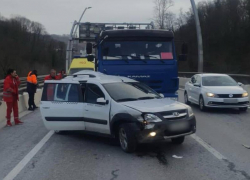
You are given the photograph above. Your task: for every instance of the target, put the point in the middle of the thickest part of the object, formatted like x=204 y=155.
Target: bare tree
x=161 y=9
x=170 y=21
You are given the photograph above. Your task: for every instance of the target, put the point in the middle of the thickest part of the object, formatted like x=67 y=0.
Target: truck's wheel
x=178 y=140
x=127 y=138
x=186 y=98
x=243 y=109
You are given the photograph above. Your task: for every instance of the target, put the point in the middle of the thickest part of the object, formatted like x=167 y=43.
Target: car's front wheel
x=186 y=98
x=202 y=104
x=243 y=109
x=127 y=138
x=178 y=140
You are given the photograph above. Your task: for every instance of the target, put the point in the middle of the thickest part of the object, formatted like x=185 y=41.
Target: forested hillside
x=225 y=28
x=25 y=45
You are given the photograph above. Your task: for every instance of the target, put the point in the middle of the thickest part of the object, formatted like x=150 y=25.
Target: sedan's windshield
x=121 y=92
x=137 y=50
x=218 y=81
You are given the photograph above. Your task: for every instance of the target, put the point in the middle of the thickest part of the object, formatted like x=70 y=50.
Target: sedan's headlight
x=211 y=95
x=245 y=94
x=190 y=112
x=151 y=118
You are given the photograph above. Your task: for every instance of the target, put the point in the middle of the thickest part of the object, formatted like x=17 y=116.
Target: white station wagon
x=116 y=107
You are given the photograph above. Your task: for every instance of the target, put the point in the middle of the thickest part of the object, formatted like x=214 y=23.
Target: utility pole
x=81 y=19
x=199 y=37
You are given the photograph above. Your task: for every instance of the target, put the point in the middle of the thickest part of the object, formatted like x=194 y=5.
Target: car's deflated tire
x=127 y=138
x=178 y=140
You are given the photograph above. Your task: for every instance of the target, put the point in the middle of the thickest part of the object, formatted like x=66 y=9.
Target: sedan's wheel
x=186 y=98
x=127 y=138
x=243 y=109
x=178 y=140
x=201 y=104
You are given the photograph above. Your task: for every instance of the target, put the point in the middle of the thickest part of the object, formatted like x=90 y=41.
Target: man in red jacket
x=51 y=76
x=10 y=96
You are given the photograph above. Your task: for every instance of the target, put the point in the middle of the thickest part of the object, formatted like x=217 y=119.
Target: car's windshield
x=75 y=70
x=218 y=81
x=121 y=92
x=137 y=50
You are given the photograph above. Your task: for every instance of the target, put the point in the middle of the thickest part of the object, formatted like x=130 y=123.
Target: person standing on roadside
x=61 y=74
x=31 y=89
x=10 y=96
x=51 y=76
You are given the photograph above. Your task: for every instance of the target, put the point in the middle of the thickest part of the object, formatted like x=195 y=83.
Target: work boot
x=31 y=109
x=35 y=107
x=8 y=123
x=17 y=121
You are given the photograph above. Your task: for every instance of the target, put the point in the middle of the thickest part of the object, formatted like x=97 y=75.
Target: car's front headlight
x=212 y=95
x=190 y=112
x=151 y=118
x=245 y=94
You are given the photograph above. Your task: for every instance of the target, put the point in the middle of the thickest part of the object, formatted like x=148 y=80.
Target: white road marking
x=208 y=147
x=12 y=174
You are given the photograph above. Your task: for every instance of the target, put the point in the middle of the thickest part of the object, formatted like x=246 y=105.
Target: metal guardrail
x=22 y=87
x=243 y=78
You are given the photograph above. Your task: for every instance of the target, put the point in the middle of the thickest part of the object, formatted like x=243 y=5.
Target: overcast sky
x=57 y=15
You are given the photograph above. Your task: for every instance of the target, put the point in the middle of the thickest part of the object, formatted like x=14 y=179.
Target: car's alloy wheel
x=201 y=104
x=127 y=138
x=123 y=139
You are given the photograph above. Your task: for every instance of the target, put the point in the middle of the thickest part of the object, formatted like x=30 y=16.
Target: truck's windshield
x=132 y=50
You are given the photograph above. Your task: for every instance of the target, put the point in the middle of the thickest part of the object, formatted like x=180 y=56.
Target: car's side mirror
x=162 y=95
x=182 y=57
x=240 y=84
x=89 y=48
x=101 y=101
x=91 y=58
x=197 y=85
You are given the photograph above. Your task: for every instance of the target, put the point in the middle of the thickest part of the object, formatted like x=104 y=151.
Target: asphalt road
x=75 y=155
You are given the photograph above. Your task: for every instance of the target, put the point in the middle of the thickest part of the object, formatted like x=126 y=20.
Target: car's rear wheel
x=243 y=109
x=186 y=98
x=201 y=104
x=178 y=140
x=127 y=138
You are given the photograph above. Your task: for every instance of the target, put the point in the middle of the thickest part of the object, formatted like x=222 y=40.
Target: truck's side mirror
x=184 y=48
x=89 y=48
x=91 y=58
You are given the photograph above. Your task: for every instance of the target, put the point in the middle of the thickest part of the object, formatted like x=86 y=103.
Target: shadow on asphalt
x=221 y=110
x=153 y=150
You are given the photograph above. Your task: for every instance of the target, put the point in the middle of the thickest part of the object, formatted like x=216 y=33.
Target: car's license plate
x=179 y=126
x=230 y=100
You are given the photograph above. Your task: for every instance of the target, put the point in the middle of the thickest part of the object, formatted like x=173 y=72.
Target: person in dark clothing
x=31 y=89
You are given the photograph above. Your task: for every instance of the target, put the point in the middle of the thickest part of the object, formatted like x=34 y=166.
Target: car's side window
x=93 y=93
x=61 y=92
x=198 y=79
x=193 y=79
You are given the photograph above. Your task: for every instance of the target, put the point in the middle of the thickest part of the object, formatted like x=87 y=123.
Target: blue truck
x=146 y=55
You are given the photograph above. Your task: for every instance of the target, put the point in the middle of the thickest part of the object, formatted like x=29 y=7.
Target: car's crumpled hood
x=155 y=105
x=225 y=89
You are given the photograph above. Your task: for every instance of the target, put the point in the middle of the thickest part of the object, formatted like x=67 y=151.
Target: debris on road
x=246 y=146
x=177 y=157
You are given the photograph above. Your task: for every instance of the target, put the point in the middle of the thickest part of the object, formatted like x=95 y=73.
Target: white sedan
x=217 y=91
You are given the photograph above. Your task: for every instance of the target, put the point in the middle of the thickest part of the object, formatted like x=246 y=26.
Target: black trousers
x=32 y=100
